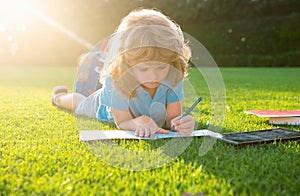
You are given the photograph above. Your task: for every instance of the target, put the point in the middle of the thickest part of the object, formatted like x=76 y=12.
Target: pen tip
x=172 y=129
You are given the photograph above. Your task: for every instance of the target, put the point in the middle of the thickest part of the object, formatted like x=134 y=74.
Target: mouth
x=152 y=83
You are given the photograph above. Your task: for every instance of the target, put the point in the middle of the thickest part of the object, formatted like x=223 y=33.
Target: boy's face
x=150 y=74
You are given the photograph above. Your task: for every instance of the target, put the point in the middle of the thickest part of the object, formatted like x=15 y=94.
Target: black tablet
x=260 y=136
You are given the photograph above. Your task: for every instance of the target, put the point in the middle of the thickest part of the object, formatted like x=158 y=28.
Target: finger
x=174 y=125
x=175 y=119
x=141 y=133
x=186 y=119
x=162 y=131
x=188 y=125
x=181 y=121
x=137 y=132
x=186 y=132
x=152 y=135
x=152 y=132
x=147 y=133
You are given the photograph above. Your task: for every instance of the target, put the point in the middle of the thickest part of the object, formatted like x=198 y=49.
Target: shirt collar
x=161 y=89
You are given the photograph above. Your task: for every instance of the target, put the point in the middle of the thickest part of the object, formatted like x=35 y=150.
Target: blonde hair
x=146 y=35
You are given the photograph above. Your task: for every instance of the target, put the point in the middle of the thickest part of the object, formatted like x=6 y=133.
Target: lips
x=151 y=83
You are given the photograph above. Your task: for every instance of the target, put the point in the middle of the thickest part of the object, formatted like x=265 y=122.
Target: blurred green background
x=235 y=32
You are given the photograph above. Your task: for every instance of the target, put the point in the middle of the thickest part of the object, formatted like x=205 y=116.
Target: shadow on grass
x=255 y=169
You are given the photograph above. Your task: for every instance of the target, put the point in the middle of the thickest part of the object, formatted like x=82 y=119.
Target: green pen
x=188 y=111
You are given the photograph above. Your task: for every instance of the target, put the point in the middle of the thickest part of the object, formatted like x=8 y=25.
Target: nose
x=153 y=75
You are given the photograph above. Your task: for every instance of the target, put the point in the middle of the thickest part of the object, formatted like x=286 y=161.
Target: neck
x=151 y=91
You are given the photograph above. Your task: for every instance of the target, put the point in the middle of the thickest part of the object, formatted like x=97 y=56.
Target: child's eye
x=161 y=67
x=143 y=69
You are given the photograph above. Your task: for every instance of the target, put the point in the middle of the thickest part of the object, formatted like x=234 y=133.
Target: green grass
x=40 y=153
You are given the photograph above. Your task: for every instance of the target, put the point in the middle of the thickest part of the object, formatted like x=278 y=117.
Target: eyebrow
x=151 y=65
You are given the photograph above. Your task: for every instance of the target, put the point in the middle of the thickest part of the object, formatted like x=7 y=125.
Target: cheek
x=164 y=73
x=138 y=76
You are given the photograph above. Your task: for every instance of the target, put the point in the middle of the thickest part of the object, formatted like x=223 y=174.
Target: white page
x=88 y=135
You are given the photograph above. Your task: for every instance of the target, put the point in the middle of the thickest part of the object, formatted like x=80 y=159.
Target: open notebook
x=237 y=138
x=88 y=135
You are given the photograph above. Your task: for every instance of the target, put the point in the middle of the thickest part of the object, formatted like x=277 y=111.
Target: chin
x=151 y=84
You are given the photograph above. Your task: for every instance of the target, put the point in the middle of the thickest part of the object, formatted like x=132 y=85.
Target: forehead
x=149 y=54
x=150 y=64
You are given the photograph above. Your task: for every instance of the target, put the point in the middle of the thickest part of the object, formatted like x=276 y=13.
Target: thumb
x=163 y=131
x=175 y=119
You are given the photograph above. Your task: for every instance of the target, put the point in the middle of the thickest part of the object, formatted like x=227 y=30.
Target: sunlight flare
x=61 y=28
x=16 y=14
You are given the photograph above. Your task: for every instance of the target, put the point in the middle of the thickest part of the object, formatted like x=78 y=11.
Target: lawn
x=40 y=153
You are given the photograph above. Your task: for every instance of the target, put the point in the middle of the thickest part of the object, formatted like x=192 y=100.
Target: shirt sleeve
x=175 y=94
x=111 y=97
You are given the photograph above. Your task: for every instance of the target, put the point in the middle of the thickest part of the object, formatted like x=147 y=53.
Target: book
x=278 y=117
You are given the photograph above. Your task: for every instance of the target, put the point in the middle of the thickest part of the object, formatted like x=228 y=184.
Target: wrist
x=133 y=124
x=142 y=120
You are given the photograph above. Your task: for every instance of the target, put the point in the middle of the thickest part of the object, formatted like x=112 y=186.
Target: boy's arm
x=123 y=119
x=173 y=110
x=143 y=126
x=184 y=126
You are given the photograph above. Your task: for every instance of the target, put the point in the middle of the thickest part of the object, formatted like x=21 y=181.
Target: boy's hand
x=184 y=126
x=146 y=127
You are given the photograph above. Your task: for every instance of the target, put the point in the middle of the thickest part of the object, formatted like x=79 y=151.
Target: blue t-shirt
x=141 y=104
